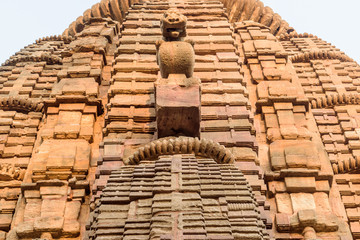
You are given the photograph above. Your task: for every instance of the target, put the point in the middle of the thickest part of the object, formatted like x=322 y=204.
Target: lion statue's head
x=173 y=24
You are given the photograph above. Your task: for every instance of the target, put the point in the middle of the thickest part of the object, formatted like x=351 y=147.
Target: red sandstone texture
x=259 y=138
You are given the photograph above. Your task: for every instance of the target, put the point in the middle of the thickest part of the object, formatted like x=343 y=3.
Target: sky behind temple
x=24 y=21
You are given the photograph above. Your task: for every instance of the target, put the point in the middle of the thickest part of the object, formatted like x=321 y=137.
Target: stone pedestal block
x=178 y=110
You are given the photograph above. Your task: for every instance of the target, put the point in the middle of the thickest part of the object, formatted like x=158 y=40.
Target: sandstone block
x=52 y=207
x=282 y=222
x=307 y=217
x=53 y=191
x=295 y=160
x=302 y=201
x=273 y=134
x=277 y=156
x=32 y=210
x=71 y=228
x=96 y=44
x=271 y=121
x=72 y=210
x=71 y=107
x=76 y=86
x=61 y=158
x=87 y=127
x=283 y=203
x=49 y=224
x=26 y=229
x=113 y=151
x=79 y=71
x=82 y=158
x=74 y=90
x=289 y=131
x=178 y=110
x=5 y=221
x=296 y=153
x=323 y=186
x=322 y=202
x=68 y=124
x=300 y=184
x=31 y=194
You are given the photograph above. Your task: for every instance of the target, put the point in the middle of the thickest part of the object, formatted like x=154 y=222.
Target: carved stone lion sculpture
x=173 y=54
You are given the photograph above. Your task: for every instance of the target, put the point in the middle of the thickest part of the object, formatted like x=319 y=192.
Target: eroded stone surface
x=285 y=108
x=177 y=201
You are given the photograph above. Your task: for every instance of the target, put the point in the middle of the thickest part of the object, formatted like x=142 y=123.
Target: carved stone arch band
x=21 y=104
x=182 y=145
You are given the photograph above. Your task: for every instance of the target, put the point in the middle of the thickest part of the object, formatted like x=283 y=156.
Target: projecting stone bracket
x=93 y=105
x=306 y=218
x=283 y=92
x=178 y=107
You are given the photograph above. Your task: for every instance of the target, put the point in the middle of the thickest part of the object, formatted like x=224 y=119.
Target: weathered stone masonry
x=277 y=148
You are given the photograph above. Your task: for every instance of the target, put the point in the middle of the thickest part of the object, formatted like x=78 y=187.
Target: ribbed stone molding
x=350 y=164
x=242 y=10
x=288 y=36
x=335 y=99
x=113 y=9
x=237 y=10
x=320 y=55
x=71 y=99
x=181 y=145
x=20 y=104
x=45 y=57
x=346 y=166
x=65 y=39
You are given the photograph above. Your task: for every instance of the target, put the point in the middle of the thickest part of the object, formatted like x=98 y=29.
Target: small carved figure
x=10 y=172
x=173 y=54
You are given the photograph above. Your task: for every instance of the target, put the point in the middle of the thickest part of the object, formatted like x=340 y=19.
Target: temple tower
x=180 y=119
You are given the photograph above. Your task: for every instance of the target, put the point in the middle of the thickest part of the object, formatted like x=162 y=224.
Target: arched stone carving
x=237 y=10
x=320 y=55
x=288 y=36
x=254 y=10
x=44 y=57
x=335 y=99
x=65 y=39
x=21 y=104
x=182 y=145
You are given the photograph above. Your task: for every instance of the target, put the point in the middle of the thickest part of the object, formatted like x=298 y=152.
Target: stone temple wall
x=80 y=155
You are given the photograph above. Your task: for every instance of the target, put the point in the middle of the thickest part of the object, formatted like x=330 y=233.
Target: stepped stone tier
x=180 y=119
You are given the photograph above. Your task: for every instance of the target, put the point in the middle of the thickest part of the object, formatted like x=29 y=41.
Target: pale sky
x=24 y=21
x=335 y=21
